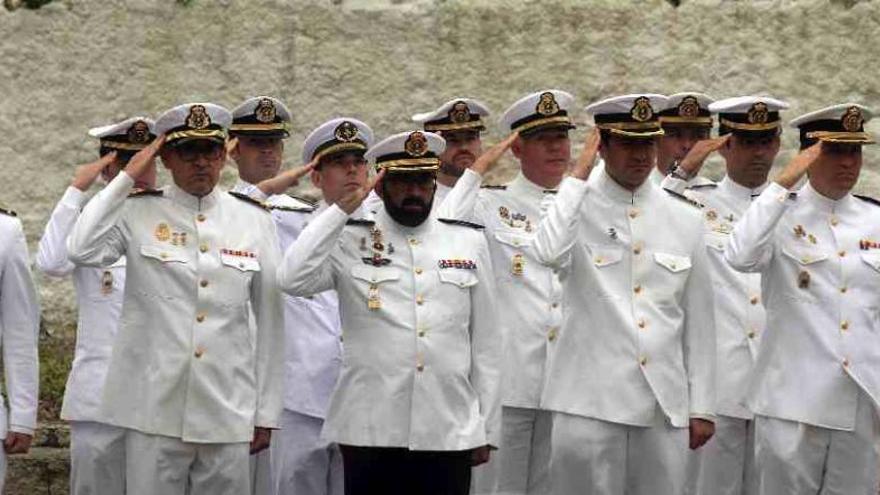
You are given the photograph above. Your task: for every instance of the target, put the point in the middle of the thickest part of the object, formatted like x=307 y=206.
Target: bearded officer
x=19 y=325
x=417 y=400
x=633 y=369
x=195 y=388
x=303 y=462
x=815 y=387
x=750 y=129
x=97 y=449
x=539 y=124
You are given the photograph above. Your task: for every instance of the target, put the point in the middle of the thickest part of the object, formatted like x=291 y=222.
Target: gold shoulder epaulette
x=140 y=193
x=7 y=211
x=499 y=187
x=868 y=199
x=297 y=209
x=462 y=223
x=248 y=199
x=684 y=198
x=304 y=200
x=360 y=221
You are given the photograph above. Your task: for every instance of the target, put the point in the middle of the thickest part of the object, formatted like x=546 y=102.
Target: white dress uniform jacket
x=99 y=299
x=421 y=352
x=19 y=325
x=636 y=330
x=313 y=349
x=740 y=318
x=820 y=265
x=511 y=214
x=185 y=363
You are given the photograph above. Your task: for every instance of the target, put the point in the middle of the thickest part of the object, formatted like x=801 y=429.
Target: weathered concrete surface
x=79 y=63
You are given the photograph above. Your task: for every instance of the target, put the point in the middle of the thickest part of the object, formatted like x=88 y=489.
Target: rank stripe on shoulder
x=684 y=198
x=145 y=192
x=7 y=211
x=499 y=187
x=360 y=221
x=298 y=209
x=462 y=223
x=708 y=185
x=868 y=199
x=248 y=199
x=304 y=200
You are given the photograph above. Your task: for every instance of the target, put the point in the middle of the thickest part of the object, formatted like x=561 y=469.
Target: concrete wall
x=78 y=63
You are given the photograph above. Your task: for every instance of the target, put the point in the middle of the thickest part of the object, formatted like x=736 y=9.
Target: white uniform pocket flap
x=373 y=274
x=716 y=241
x=163 y=253
x=805 y=257
x=461 y=278
x=512 y=239
x=243 y=263
x=605 y=255
x=872 y=259
x=673 y=262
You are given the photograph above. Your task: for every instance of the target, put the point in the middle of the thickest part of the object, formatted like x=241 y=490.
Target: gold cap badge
x=198 y=117
x=265 y=111
x=689 y=107
x=758 y=114
x=641 y=110
x=547 y=104
x=139 y=132
x=416 y=144
x=852 y=119
x=459 y=113
x=346 y=132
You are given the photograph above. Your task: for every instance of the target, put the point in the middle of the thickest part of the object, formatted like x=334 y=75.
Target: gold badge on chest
x=162 y=232
x=106 y=282
x=517 y=265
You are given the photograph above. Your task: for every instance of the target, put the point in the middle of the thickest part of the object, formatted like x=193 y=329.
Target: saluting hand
x=143 y=159
x=587 y=158
x=351 y=200
x=85 y=175
x=693 y=161
x=286 y=179
x=487 y=160
x=799 y=165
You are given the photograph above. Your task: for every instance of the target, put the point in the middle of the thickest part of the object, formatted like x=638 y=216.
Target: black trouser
x=391 y=471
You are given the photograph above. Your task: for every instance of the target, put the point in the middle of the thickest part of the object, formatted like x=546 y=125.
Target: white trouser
x=595 y=457
x=158 y=465
x=795 y=458
x=97 y=458
x=521 y=465
x=302 y=463
x=261 y=471
x=726 y=464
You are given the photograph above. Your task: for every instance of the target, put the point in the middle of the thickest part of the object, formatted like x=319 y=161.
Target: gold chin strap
x=635 y=134
x=750 y=127
x=214 y=133
x=842 y=137
x=454 y=127
x=278 y=126
x=123 y=146
x=563 y=119
x=695 y=121
x=410 y=165
x=338 y=147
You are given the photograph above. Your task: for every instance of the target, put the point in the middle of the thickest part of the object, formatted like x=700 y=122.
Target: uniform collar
x=620 y=194
x=656 y=176
x=820 y=202
x=242 y=186
x=731 y=188
x=522 y=185
x=191 y=202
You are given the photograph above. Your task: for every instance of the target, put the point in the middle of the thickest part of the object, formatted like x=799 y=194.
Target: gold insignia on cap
x=265 y=111
x=459 y=113
x=346 y=132
x=416 y=144
x=198 y=117
x=547 y=104
x=139 y=132
x=852 y=119
x=641 y=110
x=689 y=107
x=758 y=114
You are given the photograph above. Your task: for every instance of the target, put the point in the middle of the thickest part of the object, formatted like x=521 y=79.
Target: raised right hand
x=799 y=165
x=85 y=175
x=351 y=200
x=487 y=160
x=143 y=159
x=587 y=158
x=286 y=179
x=693 y=161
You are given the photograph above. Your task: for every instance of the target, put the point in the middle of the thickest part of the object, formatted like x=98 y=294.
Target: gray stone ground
x=78 y=63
